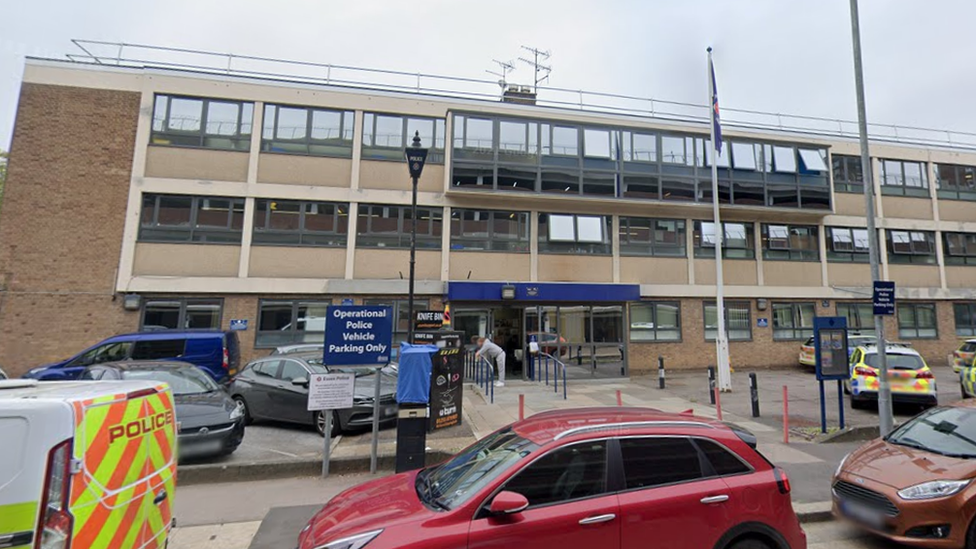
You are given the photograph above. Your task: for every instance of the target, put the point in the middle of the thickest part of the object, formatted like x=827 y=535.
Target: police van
x=86 y=464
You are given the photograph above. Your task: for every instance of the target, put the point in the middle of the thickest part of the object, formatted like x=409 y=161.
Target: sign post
x=884 y=305
x=830 y=344
x=328 y=392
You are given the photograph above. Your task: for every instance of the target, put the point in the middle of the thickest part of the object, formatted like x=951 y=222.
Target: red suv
x=584 y=478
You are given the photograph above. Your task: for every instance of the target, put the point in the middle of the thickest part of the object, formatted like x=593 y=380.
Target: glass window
x=386 y=135
x=965 y=316
x=513 y=137
x=172 y=218
x=181 y=314
x=565 y=141
x=200 y=122
x=564 y=474
x=283 y=322
x=960 y=248
x=655 y=321
x=296 y=223
x=307 y=130
x=860 y=317
x=745 y=156
x=902 y=178
x=723 y=461
x=387 y=226
x=914 y=247
x=739 y=242
x=737 y=321
x=917 y=321
x=846 y=244
x=848 y=175
x=640 y=147
x=784 y=159
x=791 y=242
x=642 y=236
x=157 y=349
x=673 y=151
x=793 y=321
x=564 y=233
x=813 y=160
x=659 y=461
x=597 y=143
x=956 y=182
x=291 y=370
x=486 y=230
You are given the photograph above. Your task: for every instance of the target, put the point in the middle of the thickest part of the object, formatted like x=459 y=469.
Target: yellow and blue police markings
x=967 y=381
x=915 y=385
x=17 y=524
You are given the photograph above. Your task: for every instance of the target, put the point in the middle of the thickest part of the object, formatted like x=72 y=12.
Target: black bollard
x=660 y=372
x=754 y=394
x=711 y=384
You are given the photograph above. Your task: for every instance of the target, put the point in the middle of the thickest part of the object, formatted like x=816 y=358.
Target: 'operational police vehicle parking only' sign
x=358 y=335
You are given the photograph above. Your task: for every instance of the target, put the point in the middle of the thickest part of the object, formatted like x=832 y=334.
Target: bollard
x=718 y=403
x=521 y=407
x=711 y=384
x=660 y=372
x=754 y=394
x=786 y=416
x=620 y=398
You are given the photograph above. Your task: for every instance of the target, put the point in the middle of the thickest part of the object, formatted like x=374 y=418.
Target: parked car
x=963 y=356
x=217 y=353
x=276 y=388
x=549 y=342
x=208 y=421
x=910 y=378
x=915 y=485
x=298 y=348
x=590 y=477
x=3 y=375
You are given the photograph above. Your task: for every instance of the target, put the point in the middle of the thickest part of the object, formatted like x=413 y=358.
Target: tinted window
x=267 y=369
x=293 y=370
x=183 y=381
x=897 y=362
x=657 y=461
x=723 y=461
x=569 y=473
x=163 y=348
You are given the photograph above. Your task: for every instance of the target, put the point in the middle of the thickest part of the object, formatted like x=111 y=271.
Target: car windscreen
x=949 y=431
x=183 y=381
x=454 y=482
x=896 y=362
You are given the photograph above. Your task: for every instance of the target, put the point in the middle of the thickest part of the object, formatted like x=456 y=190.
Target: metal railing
x=480 y=370
x=144 y=55
x=544 y=360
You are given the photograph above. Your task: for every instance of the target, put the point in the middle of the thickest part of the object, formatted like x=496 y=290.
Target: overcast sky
x=773 y=55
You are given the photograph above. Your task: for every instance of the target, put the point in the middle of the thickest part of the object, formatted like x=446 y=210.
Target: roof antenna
x=541 y=71
x=504 y=67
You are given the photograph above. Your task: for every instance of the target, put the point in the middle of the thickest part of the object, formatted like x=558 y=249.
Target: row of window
x=906 y=178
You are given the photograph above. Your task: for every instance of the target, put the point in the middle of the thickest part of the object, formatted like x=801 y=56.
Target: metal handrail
x=481 y=89
x=631 y=425
x=482 y=372
x=556 y=364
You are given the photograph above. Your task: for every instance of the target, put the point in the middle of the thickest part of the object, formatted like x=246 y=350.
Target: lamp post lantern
x=416 y=157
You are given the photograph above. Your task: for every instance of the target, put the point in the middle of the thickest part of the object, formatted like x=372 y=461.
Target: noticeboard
x=331 y=391
x=830 y=342
x=358 y=335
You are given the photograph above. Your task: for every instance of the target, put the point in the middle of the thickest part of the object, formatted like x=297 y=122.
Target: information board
x=331 y=391
x=830 y=341
x=358 y=335
x=446 y=388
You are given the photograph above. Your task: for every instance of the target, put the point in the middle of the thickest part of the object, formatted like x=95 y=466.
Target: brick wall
x=61 y=222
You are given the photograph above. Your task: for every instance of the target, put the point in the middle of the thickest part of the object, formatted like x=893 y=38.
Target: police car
x=963 y=356
x=910 y=379
x=967 y=380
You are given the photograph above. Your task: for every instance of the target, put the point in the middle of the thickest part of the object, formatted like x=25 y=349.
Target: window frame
x=707 y=468
x=728 y=304
x=792 y=252
x=163 y=137
x=183 y=303
x=653 y=306
x=193 y=228
x=267 y=143
x=342 y=237
x=608 y=488
x=865 y=323
x=968 y=241
x=797 y=333
x=295 y=305
x=947 y=191
x=841 y=165
x=915 y=306
x=372 y=151
x=705 y=250
x=575 y=246
x=902 y=188
x=911 y=257
x=521 y=243
x=855 y=255
x=969 y=330
x=425 y=241
x=653 y=247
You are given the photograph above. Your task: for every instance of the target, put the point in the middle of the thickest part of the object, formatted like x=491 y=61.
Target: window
x=582 y=234
x=739 y=240
x=965 y=315
x=860 y=317
x=174 y=218
x=307 y=130
x=295 y=223
x=639 y=147
x=791 y=242
x=917 y=321
x=960 y=248
x=658 y=461
x=599 y=144
x=723 y=461
x=206 y=123
x=848 y=175
x=482 y=230
x=110 y=352
x=793 y=321
x=291 y=370
x=565 y=474
x=746 y=156
x=738 y=323
x=846 y=244
x=784 y=159
x=181 y=314
x=956 y=182
x=386 y=226
x=904 y=178
x=915 y=247
x=642 y=236
x=655 y=321
x=401 y=314
x=385 y=136
x=156 y=349
x=288 y=322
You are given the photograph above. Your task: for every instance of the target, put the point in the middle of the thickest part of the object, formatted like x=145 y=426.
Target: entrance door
x=473 y=322
x=589 y=340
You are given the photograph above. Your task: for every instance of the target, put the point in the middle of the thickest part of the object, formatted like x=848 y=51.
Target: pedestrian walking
x=494 y=354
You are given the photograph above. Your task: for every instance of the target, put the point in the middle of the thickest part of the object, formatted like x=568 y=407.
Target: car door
x=668 y=497
x=256 y=388
x=290 y=400
x=570 y=504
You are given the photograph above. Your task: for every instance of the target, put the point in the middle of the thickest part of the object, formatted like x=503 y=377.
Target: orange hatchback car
x=916 y=485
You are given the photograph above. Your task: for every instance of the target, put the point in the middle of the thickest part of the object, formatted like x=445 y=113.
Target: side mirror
x=303 y=381
x=508 y=503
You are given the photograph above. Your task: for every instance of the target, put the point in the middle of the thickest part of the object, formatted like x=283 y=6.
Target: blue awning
x=543 y=292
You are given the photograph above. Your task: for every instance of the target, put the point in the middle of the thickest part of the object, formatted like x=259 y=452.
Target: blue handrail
x=557 y=366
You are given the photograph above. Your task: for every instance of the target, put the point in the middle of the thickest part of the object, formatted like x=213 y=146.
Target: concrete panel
x=182 y=163
x=957 y=210
x=384 y=263
x=574 y=268
x=739 y=272
x=186 y=260
x=849 y=274
x=914 y=276
x=909 y=208
x=490 y=266
x=378 y=174
x=296 y=169
x=653 y=270
x=792 y=273
x=297 y=262
x=961 y=277
x=849 y=204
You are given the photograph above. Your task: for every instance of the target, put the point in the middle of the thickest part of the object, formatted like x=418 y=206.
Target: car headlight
x=352 y=542
x=840 y=467
x=237 y=412
x=932 y=490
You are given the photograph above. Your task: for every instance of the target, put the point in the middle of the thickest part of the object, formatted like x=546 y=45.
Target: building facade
x=205 y=198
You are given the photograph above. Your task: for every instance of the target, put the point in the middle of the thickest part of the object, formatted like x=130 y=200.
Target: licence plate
x=199 y=448
x=862 y=514
x=389 y=410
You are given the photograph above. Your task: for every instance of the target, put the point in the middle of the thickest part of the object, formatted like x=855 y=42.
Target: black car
x=208 y=421
x=276 y=388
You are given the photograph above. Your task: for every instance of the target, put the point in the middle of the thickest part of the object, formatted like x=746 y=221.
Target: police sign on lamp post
x=416 y=157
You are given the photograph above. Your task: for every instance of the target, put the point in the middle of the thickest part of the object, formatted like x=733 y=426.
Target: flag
x=716 y=124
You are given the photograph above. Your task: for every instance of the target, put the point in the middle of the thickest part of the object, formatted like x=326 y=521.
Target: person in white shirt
x=494 y=354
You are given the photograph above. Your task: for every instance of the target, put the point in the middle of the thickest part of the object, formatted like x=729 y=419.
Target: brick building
x=215 y=197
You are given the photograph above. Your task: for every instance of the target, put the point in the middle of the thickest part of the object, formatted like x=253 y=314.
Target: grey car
x=276 y=388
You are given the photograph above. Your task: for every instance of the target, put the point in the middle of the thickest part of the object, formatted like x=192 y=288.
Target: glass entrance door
x=588 y=339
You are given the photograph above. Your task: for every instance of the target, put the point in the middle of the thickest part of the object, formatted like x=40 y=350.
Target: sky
x=789 y=56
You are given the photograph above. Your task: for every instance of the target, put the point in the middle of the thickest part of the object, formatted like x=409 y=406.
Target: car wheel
x=243 y=405
x=971 y=535
x=858 y=404
x=320 y=424
x=750 y=543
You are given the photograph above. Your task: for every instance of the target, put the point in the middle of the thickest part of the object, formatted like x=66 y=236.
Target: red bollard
x=786 y=416
x=620 y=398
x=521 y=407
x=718 y=403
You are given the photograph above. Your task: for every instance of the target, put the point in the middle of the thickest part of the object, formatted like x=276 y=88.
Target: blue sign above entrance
x=543 y=291
x=358 y=335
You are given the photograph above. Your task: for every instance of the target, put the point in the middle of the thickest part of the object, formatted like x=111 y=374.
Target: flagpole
x=721 y=339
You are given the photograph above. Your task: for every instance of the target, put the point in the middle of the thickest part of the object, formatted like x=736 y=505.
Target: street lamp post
x=416 y=157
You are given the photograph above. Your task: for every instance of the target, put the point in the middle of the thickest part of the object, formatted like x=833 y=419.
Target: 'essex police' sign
x=358 y=335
